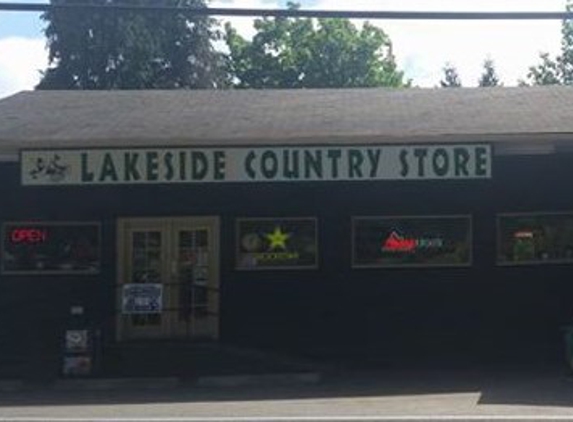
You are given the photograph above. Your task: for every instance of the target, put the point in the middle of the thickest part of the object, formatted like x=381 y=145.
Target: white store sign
x=260 y=164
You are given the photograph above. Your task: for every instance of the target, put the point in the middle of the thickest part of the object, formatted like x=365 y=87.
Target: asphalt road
x=522 y=394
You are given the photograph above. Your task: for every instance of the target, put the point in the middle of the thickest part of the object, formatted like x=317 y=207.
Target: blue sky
x=421 y=47
x=15 y=24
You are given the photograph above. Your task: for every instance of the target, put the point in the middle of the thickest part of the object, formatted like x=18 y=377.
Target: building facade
x=415 y=225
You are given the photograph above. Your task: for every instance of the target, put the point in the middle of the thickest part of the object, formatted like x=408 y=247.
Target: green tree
x=548 y=72
x=451 y=78
x=303 y=53
x=489 y=76
x=558 y=70
x=126 y=49
x=565 y=60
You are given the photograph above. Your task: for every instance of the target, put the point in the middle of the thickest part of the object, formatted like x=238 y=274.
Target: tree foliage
x=451 y=78
x=558 y=70
x=547 y=72
x=566 y=57
x=123 y=49
x=303 y=53
x=489 y=75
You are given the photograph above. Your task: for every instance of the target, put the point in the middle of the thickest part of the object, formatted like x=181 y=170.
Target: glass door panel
x=146 y=268
x=142 y=274
x=197 y=280
x=193 y=269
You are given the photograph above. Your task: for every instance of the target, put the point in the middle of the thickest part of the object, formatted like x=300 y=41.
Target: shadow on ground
x=500 y=384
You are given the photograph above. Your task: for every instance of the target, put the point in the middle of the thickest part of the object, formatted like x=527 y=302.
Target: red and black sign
x=51 y=247
x=411 y=241
x=28 y=235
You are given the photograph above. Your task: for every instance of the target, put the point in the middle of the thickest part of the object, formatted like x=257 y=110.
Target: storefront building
x=413 y=224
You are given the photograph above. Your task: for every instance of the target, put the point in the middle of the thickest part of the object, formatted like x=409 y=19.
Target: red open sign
x=28 y=235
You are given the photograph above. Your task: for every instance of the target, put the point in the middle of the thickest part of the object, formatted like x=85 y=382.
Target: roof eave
x=505 y=143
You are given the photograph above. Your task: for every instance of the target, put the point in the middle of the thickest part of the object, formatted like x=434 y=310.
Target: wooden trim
x=169 y=226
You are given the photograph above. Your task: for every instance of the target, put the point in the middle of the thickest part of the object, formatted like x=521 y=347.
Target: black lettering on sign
x=152 y=165
x=169 y=171
x=355 y=160
x=290 y=164
x=334 y=155
x=182 y=166
x=199 y=165
x=108 y=169
x=269 y=164
x=130 y=171
x=87 y=176
x=440 y=162
x=404 y=163
x=251 y=156
x=481 y=161
x=219 y=170
x=461 y=159
x=420 y=154
x=313 y=160
x=374 y=158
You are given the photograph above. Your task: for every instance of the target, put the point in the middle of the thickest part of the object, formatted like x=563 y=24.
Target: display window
x=51 y=248
x=535 y=238
x=277 y=243
x=411 y=241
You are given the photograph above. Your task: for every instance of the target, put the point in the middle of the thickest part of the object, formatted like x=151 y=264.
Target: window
x=535 y=238
x=276 y=243
x=51 y=248
x=411 y=241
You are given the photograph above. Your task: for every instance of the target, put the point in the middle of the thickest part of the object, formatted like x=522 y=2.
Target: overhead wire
x=311 y=13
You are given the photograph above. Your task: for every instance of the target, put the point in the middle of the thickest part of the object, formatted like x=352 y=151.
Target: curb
x=106 y=384
x=259 y=380
x=164 y=383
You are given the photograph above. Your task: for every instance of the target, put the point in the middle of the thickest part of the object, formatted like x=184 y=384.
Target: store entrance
x=168 y=278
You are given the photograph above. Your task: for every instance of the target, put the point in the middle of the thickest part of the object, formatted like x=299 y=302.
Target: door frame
x=170 y=225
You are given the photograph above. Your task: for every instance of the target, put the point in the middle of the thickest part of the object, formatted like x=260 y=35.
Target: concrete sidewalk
x=513 y=393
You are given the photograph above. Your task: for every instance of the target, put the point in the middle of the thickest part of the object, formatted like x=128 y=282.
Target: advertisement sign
x=274 y=243
x=411 y=241
x=257 y=164
x=77 y=365
x=535 y=238
x=51 y=247
x=76 y=341
x=142 y=298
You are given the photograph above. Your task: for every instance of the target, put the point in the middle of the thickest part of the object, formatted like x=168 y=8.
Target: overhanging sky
x=421 y=47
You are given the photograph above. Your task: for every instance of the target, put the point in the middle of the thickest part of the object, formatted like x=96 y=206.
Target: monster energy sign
x=260 y=164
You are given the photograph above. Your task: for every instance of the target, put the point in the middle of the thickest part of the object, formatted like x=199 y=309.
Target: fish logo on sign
x=53 y=169
x=398 y=243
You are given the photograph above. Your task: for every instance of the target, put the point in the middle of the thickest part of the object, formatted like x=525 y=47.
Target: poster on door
x=142 y=298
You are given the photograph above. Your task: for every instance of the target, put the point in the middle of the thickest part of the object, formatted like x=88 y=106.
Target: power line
x=354 y=14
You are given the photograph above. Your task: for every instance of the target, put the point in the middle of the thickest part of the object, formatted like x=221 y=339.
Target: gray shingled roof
x=106 y=118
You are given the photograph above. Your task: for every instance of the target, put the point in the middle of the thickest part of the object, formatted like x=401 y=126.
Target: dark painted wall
x=469 y=313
